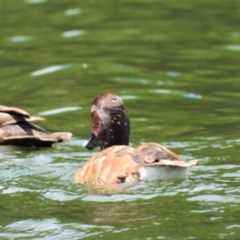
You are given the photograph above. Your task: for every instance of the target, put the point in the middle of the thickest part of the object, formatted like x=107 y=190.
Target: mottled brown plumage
x=16 y=129
x=118 y=163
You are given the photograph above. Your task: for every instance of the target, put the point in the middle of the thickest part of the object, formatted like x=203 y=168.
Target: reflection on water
x=51 y=228
x=181 y=93
x=71 y=12
x=176 y=67
x=126 y=97
x=20 y=38
x=234 y=47
x=35 y=1
x=173 y=74
x=73 y=33
x=60 y=110
x=132 y=80
x=50 y=69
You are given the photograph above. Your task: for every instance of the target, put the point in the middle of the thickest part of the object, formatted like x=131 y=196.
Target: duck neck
x=115 y=130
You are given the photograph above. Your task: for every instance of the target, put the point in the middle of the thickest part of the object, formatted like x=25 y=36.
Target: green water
x=176 y=66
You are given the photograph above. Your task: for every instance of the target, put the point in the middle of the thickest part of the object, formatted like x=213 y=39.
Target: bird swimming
x=16 y=129
x=118 y=163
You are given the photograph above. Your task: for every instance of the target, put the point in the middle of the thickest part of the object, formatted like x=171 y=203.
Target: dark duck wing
x=16 y=129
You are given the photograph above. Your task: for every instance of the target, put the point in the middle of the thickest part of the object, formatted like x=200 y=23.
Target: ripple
x=131 y=80
x=192 y=95
x=73 y=11
x=173 y=74
x=177 y=92
x=78 y=142
x=180 y=144
x=13 y=189
x=127 y=97
x=118 y=197
x=142 y=191
x=233 y=226
x=232 y=175
x=60 y=110
x=52 y=228
x=211 y=138
x=204 y=187
x=20 y=39
x=215 y=198
x=73 y=33
x=85 y=65
x=139 y=119
x=60 y=195
x=35 y=1
x=160 y=82
x=117 y=68
x=162 y=91
x=233 y=47
x=50 y=69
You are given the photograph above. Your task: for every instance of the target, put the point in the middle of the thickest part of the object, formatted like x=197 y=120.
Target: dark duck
x=16 y=129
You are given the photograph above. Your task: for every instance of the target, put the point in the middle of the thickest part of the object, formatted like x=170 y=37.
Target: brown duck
x=118 y=163
x=16 y=129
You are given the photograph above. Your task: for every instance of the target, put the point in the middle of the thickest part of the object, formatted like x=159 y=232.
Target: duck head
x=109 y=122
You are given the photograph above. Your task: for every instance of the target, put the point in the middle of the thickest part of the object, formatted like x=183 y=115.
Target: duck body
x=118 y=163
x=16 y=129
x=123 y=164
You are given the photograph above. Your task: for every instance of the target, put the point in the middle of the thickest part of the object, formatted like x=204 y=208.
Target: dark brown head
x=109 y=123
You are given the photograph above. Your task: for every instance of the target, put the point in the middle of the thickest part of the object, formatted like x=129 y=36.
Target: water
x=176 y=66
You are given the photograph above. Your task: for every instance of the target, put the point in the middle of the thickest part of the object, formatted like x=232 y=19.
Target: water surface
x=176 y=66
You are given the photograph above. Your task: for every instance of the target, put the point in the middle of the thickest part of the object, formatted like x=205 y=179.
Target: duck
x=117 y=163
x=16 y=129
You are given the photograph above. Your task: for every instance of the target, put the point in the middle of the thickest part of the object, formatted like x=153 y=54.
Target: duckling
x=118 y=163
x=16 y=129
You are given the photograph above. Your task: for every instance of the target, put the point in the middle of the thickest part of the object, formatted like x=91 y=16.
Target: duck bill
x=92 y=142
